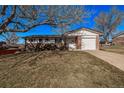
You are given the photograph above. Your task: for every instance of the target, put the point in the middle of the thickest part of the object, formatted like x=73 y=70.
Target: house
x=2 y=45
x=118 y=39
x=80 y=39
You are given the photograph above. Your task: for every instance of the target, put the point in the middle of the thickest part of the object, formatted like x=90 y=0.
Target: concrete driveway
x=112 y=58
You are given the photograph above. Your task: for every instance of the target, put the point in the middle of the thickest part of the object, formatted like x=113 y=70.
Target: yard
x=116 y=49
x=58 y=69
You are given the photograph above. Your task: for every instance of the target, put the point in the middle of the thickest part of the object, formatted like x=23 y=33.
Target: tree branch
x=8 y=20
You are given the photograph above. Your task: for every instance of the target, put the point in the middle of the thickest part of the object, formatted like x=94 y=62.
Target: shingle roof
x=119 y=34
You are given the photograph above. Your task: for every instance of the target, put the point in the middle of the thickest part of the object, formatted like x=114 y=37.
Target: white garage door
x=89 y=44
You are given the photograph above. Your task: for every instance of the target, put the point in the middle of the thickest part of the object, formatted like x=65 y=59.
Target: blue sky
x=46 y=30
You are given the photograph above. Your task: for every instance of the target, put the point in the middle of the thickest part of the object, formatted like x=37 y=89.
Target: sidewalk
x=112 y=58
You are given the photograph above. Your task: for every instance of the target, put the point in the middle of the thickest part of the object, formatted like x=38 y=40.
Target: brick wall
x=118 y=41
x=78 y=42
x=97 y=42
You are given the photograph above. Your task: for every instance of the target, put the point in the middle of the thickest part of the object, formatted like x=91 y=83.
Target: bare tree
x=18 y=18
x=10 y=38
x=67 y=16
x=23 y=18
x=107 y=22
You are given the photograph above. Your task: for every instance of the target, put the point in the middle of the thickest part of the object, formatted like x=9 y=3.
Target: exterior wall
x=97 y=42
x=88 y=40
x=36 y=40
x=78 y=42
x=118 y=41
x=39 y=42
x=70 y=43
x=82 y=32
x=43 y=40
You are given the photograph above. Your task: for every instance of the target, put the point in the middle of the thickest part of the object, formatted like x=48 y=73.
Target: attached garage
x=82 y=39
x=88 y=44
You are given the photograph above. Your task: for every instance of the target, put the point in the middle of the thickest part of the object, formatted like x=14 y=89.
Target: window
x=46 y=39
x=40 y=40
x=32 y=40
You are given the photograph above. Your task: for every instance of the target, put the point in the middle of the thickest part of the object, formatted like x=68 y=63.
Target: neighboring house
x=81 y=39
x=2 y=45
x=118 y=39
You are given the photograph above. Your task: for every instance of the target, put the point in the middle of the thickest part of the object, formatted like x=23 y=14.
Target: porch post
x=97 y=42
x=78 y=42
x=65 y=42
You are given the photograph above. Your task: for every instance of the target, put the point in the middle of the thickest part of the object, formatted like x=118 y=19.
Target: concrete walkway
x=112 y=58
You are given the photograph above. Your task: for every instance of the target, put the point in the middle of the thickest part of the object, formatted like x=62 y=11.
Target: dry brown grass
x=115 y=49
x=58 y=69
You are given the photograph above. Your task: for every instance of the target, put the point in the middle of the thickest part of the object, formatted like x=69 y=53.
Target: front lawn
x=58 y=69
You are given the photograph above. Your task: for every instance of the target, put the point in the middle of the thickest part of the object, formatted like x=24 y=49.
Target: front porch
x=73 y=42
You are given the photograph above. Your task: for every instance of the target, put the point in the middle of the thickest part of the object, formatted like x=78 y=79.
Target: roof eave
x=87 y=29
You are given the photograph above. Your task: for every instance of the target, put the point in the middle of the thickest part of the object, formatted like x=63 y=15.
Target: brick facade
x=118 y=41
x=78 y=42
x=97 y=42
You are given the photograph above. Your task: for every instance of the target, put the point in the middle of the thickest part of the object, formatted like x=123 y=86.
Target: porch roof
x=42 y=36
